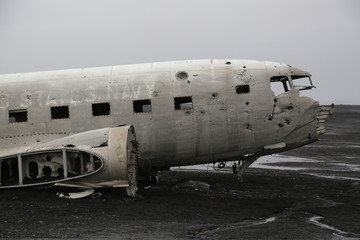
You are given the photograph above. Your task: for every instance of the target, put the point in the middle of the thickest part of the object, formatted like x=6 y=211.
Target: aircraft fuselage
x=184 y=113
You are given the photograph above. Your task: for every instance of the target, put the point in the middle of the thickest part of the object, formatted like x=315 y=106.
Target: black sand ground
x=269 y=204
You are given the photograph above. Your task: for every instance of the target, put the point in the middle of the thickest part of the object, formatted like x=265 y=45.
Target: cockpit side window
x=302 y=82
x=280 y=84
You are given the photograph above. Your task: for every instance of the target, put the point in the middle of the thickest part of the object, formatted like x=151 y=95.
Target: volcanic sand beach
x=311 y=192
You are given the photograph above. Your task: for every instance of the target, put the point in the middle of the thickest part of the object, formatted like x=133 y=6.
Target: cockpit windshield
x=280 y=84
x=302 y=82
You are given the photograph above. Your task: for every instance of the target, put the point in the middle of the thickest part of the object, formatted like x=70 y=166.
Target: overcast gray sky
x=321 y=37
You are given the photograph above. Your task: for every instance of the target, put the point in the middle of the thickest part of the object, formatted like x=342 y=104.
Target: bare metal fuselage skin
x=233 y=111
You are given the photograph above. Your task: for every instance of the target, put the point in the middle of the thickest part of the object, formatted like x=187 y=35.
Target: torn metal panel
x=76 y=195
x=325 y=111
x=192 y=184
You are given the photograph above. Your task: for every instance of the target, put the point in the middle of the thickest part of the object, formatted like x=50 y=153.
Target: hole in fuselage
x=60 y=172
x=33 y=170
x=47 y=171
x=241 y=89
x=182 y=75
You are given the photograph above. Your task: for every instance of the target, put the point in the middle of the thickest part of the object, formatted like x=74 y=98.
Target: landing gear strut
x=240 y=167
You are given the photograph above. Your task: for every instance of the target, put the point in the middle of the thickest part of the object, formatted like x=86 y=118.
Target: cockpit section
x=281 y=84
x=294 y=115
x=285 y=78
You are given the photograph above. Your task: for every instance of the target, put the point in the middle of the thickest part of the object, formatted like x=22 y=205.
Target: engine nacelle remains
x=99 y=158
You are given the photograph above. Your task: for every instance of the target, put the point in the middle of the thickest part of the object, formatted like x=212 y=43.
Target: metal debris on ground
x=76 y=195
x=196 y=185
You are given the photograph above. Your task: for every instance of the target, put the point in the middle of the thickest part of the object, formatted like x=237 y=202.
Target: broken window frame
x=294 y=79
x=18 y=116
x=142 y=106
x=59 y=112
x=97 y=111
x=284 y=81
x=183 y=103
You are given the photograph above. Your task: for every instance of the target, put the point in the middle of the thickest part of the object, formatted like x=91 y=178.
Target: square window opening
x=183 y=103
x=142 y=106
x=101 y=109
x=241 y=89
x=18 y=116
x=60 y=112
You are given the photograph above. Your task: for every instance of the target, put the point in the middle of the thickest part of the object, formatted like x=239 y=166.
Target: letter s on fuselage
x=184 y=112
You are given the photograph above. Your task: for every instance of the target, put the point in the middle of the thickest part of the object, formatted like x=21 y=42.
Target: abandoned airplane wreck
x=77 y=127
